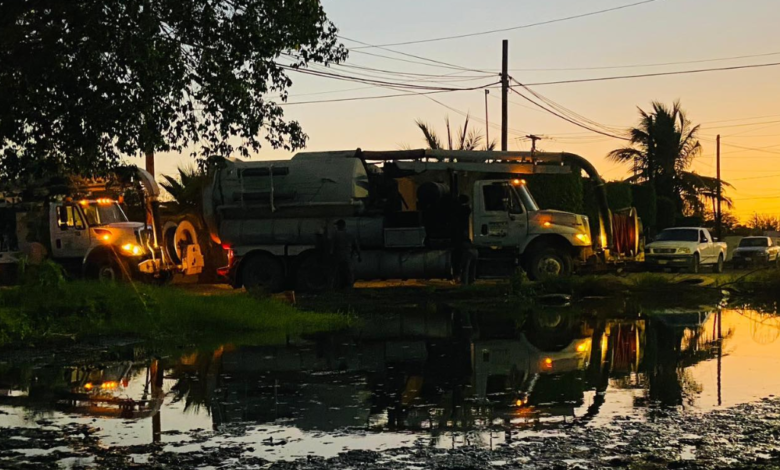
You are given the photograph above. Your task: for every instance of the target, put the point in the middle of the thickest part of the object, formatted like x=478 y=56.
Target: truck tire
x=549 y=262
x=108 y=268
x=717 y=268
x=314 y=274
x=695 y=264
x=262 y=271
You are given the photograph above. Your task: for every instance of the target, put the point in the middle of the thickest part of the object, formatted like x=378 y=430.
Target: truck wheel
x=695 y=264
x=550 y=262
x=109 y=269
x=717 y=268
x=262 y=271
x=314 y=274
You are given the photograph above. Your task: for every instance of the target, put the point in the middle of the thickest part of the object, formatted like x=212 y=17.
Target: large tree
x=663 y=147
x=85 y=82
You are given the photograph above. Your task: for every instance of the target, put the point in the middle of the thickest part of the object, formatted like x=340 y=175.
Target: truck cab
x=95 y=236
x=507 y=218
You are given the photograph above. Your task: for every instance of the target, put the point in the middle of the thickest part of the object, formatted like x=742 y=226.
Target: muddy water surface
x=436 y=377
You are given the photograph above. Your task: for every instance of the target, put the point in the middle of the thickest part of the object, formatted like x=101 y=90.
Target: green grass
x=86 y=308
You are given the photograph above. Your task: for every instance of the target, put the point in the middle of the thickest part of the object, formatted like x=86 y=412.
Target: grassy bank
x=48 y=307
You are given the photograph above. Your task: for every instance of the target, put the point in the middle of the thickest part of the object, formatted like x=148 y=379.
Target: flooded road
x=433 y=377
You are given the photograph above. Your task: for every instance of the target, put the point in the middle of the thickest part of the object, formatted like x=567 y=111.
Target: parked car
x=756 y=250
x=687 y=248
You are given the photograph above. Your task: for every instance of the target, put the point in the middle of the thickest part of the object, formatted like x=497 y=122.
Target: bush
x=646 y=203
x=619 y=195
x=561 y=192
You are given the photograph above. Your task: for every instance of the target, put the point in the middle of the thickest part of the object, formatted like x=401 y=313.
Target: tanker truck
x=275 y=217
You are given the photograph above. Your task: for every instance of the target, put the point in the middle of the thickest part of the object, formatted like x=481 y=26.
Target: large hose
x=605 y=216
x=626 y=232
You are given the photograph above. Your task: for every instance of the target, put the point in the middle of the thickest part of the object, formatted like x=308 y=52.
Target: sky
x=741 y=105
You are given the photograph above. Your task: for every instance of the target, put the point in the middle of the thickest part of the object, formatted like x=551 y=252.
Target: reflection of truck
x=92 y=236
x=402 y=206
x=686 y=247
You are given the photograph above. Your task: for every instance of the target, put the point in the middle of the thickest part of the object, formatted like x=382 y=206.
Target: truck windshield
x=103 y=214
x=754 y=242
x=528 y=200
x=678 y=235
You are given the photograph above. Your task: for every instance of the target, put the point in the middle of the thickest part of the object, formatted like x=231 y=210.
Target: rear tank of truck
x=285 y=210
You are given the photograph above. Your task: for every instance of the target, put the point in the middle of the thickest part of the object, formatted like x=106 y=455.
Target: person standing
x=345 y=247
x=465 y=254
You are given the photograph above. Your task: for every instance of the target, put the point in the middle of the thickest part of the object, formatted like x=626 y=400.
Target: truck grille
x=664 y=251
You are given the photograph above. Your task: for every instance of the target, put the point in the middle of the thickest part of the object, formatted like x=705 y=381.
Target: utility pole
x=533 y=138
x=487 y=120
x=150 y=162
x=719 y=216
x=504 y=95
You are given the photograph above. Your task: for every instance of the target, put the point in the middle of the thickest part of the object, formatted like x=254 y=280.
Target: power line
x=513 y=28
x=352 y=78
x=756 y=177
x=657 y=74
x=427 y=64
x=658 y=64
x=434 y=61
x=364 y=98
x=576 y=123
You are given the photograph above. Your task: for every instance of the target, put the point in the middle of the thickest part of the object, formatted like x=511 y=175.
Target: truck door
x=499 y=217
x=69 y=234
x=708 y=248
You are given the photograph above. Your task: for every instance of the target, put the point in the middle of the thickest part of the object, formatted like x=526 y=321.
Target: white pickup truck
x=686 y=247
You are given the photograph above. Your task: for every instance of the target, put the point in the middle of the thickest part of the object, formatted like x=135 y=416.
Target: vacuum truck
x=87 y=232
x=402 y=207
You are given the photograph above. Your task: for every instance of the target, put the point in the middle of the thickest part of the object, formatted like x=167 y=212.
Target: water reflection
x=434 y=373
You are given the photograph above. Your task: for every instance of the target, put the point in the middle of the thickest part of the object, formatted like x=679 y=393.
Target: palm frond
x=433 y=141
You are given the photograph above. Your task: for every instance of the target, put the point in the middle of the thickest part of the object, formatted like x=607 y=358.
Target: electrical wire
x=513 y=28
x=433 y=61
x=657 y=64
x=657 y=74
x=568 y=115
x=572 y=121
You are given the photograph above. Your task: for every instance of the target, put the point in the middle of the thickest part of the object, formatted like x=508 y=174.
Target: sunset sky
x=742 y=105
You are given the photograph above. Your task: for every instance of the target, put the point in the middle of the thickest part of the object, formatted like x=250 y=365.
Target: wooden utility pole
x=719 y=215
x=487 y=120
x=533 y=138
x=150 y=161
x=504 y=95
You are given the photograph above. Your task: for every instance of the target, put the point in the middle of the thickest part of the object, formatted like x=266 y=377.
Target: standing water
x=437 y=378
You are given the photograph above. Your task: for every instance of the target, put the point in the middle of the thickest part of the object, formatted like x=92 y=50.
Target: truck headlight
x=584 y=238
x=685 y=251
x=132 y=249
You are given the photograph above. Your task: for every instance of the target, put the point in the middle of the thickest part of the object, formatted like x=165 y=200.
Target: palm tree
x=466 y=139
x=663 y=147
x=187 y=189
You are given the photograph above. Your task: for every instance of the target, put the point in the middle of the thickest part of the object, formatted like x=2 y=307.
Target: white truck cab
x=507 y=216
x=97 y=234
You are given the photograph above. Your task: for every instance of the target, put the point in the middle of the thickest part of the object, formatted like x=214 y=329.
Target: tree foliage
x=187 y=189
x=663 y=147
x=85 y=83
